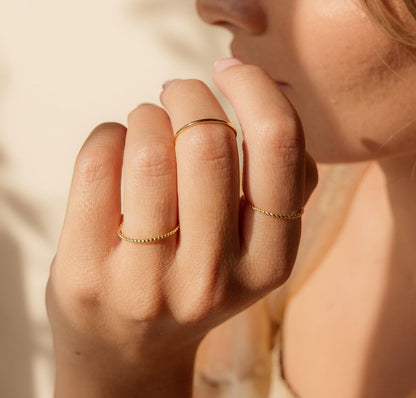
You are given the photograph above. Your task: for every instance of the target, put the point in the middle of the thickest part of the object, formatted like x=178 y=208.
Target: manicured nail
x=168 y=83
x=225 y=63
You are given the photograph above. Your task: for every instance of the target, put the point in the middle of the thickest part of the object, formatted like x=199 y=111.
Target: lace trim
x=282 y=370
x=282 y=374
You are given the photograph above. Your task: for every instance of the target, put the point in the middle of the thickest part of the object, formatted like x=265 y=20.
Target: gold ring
x=204 y=121
x=268 y=213
x=124 y=237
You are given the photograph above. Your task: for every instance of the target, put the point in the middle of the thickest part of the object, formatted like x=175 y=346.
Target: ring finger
x=150 y=195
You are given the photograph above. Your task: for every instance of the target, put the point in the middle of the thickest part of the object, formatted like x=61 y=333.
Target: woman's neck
x=400 y=177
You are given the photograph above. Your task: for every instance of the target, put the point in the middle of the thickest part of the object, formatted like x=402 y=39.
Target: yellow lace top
x=279 y=387
x=226 y=369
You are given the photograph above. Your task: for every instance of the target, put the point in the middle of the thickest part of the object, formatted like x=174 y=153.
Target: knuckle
x=153 y=159
x=213 y=144
x=134 y=301
x=280 y=277
x=215 y=293
x=282 y=136
x=95 y=165
x=75 y=291
x=281 y=131
x=150 y=309
x=101 y=152
x=84 y=296
x=271 y=277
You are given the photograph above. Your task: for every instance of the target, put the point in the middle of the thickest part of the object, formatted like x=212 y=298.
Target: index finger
x=273 y=172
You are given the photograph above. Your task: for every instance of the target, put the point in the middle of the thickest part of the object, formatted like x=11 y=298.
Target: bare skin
x=127 y=318
x=119 y=311
x=350 y=331
x=353 y=323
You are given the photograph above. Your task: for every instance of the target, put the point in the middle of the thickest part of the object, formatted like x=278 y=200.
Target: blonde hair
x=394 y=18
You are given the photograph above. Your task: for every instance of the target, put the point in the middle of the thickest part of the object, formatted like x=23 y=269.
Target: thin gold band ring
x=204 y=121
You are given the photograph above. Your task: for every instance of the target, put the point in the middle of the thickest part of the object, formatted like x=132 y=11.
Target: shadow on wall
x=169 y=17
x=15 y=337
x=17 y=343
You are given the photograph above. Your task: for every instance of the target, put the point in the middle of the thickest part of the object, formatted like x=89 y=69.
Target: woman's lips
x=239 y=56
x=282 y=84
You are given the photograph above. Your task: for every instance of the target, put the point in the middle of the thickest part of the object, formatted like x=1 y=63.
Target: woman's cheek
x=347 y=71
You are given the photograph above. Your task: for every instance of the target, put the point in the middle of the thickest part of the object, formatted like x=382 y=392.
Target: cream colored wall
x=66 y=66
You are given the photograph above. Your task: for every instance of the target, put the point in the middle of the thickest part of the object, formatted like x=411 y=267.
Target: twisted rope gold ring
x=268 y=213
x=146 y=240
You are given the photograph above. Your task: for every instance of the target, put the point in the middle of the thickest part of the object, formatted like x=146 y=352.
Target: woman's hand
x=127 y=318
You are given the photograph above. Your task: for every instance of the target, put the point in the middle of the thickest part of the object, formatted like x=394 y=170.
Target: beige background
x=66 y=66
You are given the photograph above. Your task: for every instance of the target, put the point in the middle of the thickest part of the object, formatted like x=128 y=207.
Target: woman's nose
x=247 y=15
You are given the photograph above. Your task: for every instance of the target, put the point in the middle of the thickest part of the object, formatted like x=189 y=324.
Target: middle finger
x=208 y=174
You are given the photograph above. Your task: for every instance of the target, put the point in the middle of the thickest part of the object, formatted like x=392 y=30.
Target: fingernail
x=225 y=63
x=168 y=83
